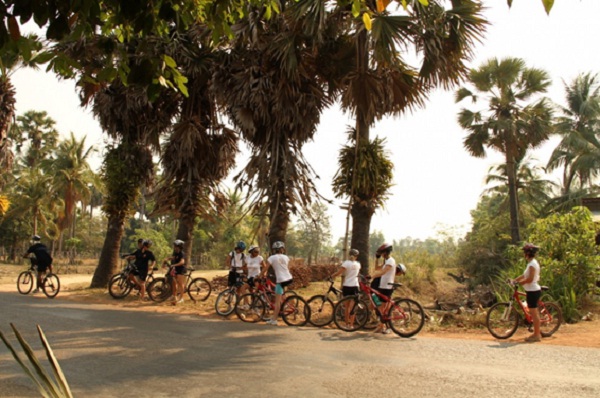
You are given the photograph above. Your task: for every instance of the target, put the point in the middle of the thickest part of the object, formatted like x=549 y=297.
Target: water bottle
x=376 y=299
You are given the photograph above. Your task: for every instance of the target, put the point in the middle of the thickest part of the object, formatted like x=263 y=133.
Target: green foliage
x=568 y=258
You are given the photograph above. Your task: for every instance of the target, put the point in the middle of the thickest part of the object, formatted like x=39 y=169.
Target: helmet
x=278 y=245
x=401 y=268
x=147 y=243
x=530 y=248
x=386 y=247
x=178 y=243
x=36 y=238
x=240 y=245
x=140 y=240
x=252 y=248
x=353 y=252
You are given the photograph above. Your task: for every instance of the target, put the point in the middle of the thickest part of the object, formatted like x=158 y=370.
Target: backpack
x=232 y=255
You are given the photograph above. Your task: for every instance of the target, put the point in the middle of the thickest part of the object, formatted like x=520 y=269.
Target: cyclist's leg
x=383 y=308
x=41 y=273
x=277 y=305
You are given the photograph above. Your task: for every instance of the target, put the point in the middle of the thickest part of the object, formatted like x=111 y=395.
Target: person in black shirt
x=178 y=270
x=136 y=256
x=143 y=261
x=43 y=259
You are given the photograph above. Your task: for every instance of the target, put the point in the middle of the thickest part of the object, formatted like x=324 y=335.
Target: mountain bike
x=121 y=284
x=198 y=289
x=321 y=305
x=254 y=306
x=403 y=315
x=228 y=298
x=26 y=280
x=503 y=319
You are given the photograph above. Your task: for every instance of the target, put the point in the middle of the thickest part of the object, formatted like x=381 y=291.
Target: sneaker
x=386 y=331
x=272 y=322
x=180 y=301
x=533 y=339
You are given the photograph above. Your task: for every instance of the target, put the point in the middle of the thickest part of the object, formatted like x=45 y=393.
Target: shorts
x=141 y=273
x=251 y=281
x=279 y=287
x=235 y=278
x=180 y=270
x=42 y=267
x=386 y=292
x=349 y=290
x=533 y=298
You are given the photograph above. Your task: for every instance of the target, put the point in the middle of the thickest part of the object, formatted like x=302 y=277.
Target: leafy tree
x=510 y=124
x=314 y=233
x=34 y=137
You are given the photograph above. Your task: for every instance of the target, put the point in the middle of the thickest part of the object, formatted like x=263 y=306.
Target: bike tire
x=51 y=285
x=119 y=287
x=358 y=314
x=321 y=310
x=406 y=317
x=372 y=318
x=226 y=301
x=295 y=311
x=550 y=318
x=25 y=282
x=159 y=290
x=199 y=289
x=500 y=322
x=250 y=308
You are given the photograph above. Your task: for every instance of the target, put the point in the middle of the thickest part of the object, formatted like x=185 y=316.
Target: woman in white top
x=279 y=261
x=529 y=280
x=254 y=264
x=350 y=269
x=387 y=274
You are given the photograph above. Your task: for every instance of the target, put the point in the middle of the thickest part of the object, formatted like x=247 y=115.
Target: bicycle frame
x=368 y=292
x=518 y=297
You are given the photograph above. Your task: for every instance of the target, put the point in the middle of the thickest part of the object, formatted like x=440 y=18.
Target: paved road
x=127 y=353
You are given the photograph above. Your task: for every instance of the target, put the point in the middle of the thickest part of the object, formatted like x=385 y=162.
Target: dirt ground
x=74 y=286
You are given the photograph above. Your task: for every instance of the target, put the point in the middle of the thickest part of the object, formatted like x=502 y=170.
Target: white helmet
x=178 y=243
x=278 y=245
x=252 y=248
x=401 y=268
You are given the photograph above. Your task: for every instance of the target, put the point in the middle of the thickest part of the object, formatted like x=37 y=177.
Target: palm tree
x=512 y=123
x=579 y=125
x=34 y=132
x=376 y=75
x=71 y=175
x=365 y=174
x=267 y=84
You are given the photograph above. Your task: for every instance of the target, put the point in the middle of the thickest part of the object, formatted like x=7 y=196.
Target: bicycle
x=26 y=279
x=121 y=284
x=321 y=305
x=503 y=319
x=228 y=298
x=254 y=306
x=198 y=289
x=405 y=316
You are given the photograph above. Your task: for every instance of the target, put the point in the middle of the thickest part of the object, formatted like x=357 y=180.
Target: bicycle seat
x=190 y=268
x=395 y=285
x=544 y=288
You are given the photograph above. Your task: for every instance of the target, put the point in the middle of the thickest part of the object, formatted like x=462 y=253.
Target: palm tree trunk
x=109 y=256
x=185 y=232
x=512 y=198
x=361 y=226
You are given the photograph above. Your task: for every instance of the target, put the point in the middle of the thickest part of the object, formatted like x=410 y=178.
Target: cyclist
x=529 y=280
x=236 y=260
x=350 y=269
x=136 y=256
x=279 y=261
x=254 y=264
x=43 y=259
x=143 y=264
x=177 y=263
x=386 y=273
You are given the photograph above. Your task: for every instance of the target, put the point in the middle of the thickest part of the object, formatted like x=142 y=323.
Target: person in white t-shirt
x=529 y=280
x=279 y=261
x=350 y=269
x=386 y=274
x=254 y=264
x=236 y=261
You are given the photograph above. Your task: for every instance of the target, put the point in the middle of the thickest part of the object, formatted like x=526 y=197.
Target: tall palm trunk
x=185 y=232
x=109 y=256
x=511 y=172
x=279 y=212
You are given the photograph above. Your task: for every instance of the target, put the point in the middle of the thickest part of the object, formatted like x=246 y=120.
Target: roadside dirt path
x=74 y=288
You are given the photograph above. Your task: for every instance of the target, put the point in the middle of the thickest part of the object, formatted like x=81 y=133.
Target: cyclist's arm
x=337 y=273
x=381 y=271
x=228 y=261
x=527 y=277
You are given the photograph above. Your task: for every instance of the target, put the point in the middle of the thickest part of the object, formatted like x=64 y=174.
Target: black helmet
x=147 y=243
x=140 y=240
x=530 y=248
x=384 y=248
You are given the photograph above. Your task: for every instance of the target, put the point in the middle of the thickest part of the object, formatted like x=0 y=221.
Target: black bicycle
x=26 y=280
x=198 y=289
x=121 y=284
x=321 y=305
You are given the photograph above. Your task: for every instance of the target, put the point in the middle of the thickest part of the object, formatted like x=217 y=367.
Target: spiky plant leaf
x=58 y=373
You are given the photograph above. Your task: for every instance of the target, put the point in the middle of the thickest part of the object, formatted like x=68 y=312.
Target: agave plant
x=54 y=386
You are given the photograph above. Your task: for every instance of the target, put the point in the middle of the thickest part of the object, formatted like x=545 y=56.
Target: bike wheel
x=226 y=301
x=159 y=290
x=372 y=320
x=119 y=287
x=550 y=318
x=406 y=317
x=25 y=282
x=295 y=311
x=51 y=285
x=353 y=318
x=199 y=289
x=250 y=308
x=502 y=320
x=321 y=311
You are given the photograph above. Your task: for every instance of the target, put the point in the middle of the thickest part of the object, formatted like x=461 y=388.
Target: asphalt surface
x=109 y=352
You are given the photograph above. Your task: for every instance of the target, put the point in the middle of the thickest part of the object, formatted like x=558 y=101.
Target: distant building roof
x=593 y=204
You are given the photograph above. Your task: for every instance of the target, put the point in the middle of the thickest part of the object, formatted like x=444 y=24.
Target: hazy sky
x=436 y=182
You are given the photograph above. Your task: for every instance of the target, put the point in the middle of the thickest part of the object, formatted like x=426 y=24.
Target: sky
x=436 y=182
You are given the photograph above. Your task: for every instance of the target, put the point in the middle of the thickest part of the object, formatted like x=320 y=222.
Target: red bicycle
x=503 y=319
x=403 y=315
x=256 y=306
